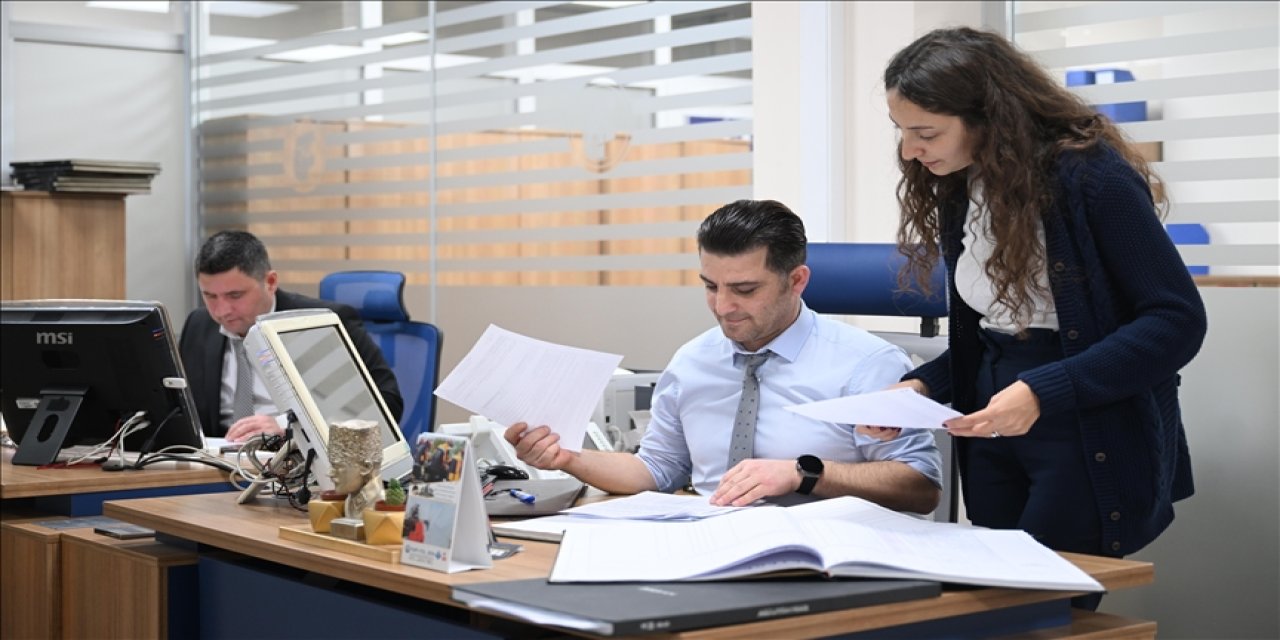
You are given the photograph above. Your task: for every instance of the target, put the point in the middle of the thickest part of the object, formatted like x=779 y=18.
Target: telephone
x=596 y=439
x=490 y=446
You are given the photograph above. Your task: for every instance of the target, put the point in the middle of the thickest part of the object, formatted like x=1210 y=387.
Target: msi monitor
x=312 y=369
x=73 y=371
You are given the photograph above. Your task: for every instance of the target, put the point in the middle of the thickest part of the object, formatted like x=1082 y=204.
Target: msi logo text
x=54 y=337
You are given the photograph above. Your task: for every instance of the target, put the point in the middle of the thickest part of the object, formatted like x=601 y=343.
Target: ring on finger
x=995 y=434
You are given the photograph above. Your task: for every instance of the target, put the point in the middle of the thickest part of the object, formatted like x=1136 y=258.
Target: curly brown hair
x=1019 y=119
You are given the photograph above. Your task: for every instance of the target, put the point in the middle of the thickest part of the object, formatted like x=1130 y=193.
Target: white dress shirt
x=816 y=358
x=262 y=402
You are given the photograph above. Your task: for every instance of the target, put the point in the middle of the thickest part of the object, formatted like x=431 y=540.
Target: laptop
x=529 y=498
x=629 y=608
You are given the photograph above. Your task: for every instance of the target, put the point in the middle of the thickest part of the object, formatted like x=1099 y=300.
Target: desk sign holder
x=445 y=524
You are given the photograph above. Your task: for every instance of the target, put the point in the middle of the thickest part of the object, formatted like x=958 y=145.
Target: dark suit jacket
x=202 y=347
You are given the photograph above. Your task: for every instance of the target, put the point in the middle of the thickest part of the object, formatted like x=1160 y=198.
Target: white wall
x=95 y=102
x=6 y=89
x=796 y=158
x=1218 y=565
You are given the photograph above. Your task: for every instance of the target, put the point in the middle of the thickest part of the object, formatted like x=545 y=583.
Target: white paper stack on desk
x=651 y=506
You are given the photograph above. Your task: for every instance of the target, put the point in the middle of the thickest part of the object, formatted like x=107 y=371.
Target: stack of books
x=91 y=176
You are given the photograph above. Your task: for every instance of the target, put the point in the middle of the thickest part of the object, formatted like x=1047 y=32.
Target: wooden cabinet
x=61 y=245
x=74 y=583
x=124 y=588
x=30 y=570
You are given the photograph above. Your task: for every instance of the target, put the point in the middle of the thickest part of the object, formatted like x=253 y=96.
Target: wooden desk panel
x=117 y=588
x=22 y=481
x=1091 y=625
x=30 y=569
x=252 y=530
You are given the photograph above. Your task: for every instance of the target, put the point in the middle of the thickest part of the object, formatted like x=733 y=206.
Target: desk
x=44 y=568
x=252 y=531
x=80 y=491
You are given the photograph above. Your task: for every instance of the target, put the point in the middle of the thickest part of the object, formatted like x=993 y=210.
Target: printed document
x=901 y=407
x=845 y=536
x=652 y=505
x=511 y=378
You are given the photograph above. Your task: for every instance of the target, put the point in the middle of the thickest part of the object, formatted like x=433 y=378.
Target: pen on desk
x=527 y=498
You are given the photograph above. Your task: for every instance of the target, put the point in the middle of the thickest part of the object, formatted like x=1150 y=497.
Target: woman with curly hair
x=1071 y=311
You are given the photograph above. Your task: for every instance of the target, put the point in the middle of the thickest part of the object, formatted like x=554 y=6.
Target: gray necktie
x=242 y=403
x=743 y=443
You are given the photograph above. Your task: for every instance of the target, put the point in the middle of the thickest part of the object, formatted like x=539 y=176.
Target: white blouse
x=978 y=291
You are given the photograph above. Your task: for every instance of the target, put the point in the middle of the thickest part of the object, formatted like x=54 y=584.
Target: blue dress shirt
x=816 y=358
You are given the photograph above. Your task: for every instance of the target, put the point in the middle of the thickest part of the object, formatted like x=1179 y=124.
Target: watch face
x=810 y=464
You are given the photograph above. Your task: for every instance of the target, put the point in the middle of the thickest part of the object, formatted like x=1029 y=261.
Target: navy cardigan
x=1130 y=317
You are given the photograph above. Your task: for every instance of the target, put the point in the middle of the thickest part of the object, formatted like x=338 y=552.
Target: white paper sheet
x=511 y=378
x=652 y=505
x=901 y=407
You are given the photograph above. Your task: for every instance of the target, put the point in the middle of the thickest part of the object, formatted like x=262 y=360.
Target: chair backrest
x=859 y=278
x=412 y=349
x=862 y=279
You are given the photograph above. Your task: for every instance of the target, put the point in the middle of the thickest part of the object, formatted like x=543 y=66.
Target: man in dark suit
x=237 y=285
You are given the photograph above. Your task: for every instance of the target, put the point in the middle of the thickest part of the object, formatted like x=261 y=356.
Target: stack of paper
x=96 y=176
x=652 y=505
x=649 y=506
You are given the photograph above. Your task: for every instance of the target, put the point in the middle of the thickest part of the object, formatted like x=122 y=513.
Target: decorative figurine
x=355 y=458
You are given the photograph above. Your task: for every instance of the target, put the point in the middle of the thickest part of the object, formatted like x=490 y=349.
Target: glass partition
x=474 y=144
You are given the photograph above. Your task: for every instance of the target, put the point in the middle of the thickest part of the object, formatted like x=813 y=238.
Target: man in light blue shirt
x=753 y=267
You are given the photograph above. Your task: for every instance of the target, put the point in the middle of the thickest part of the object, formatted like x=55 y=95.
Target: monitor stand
x=49 y=426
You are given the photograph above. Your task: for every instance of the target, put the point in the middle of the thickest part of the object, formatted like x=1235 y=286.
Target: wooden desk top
x=253 y=530
x=21 y=481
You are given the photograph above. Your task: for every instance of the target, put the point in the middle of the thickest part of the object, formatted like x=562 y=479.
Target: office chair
x=862 y=279
x=412 y=349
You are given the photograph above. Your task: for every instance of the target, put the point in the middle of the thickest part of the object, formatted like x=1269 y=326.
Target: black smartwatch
x=810 y=468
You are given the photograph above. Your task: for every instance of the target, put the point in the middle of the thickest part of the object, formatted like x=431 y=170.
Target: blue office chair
x=411 y=348
x=861 y=278
x=854 y=278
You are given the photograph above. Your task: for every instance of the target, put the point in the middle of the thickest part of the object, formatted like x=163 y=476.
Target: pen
x=527 y=498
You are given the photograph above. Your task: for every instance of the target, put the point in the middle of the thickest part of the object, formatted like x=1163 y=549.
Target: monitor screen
x=74 y=370
x=311 y=368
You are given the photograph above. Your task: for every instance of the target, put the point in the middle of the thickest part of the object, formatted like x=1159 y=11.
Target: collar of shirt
x=791 y=341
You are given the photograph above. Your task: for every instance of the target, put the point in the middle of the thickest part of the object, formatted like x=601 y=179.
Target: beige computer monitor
x=312 y=368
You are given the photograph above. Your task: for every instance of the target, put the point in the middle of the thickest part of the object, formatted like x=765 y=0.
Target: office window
x=1197 y=84
x=528 y=143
